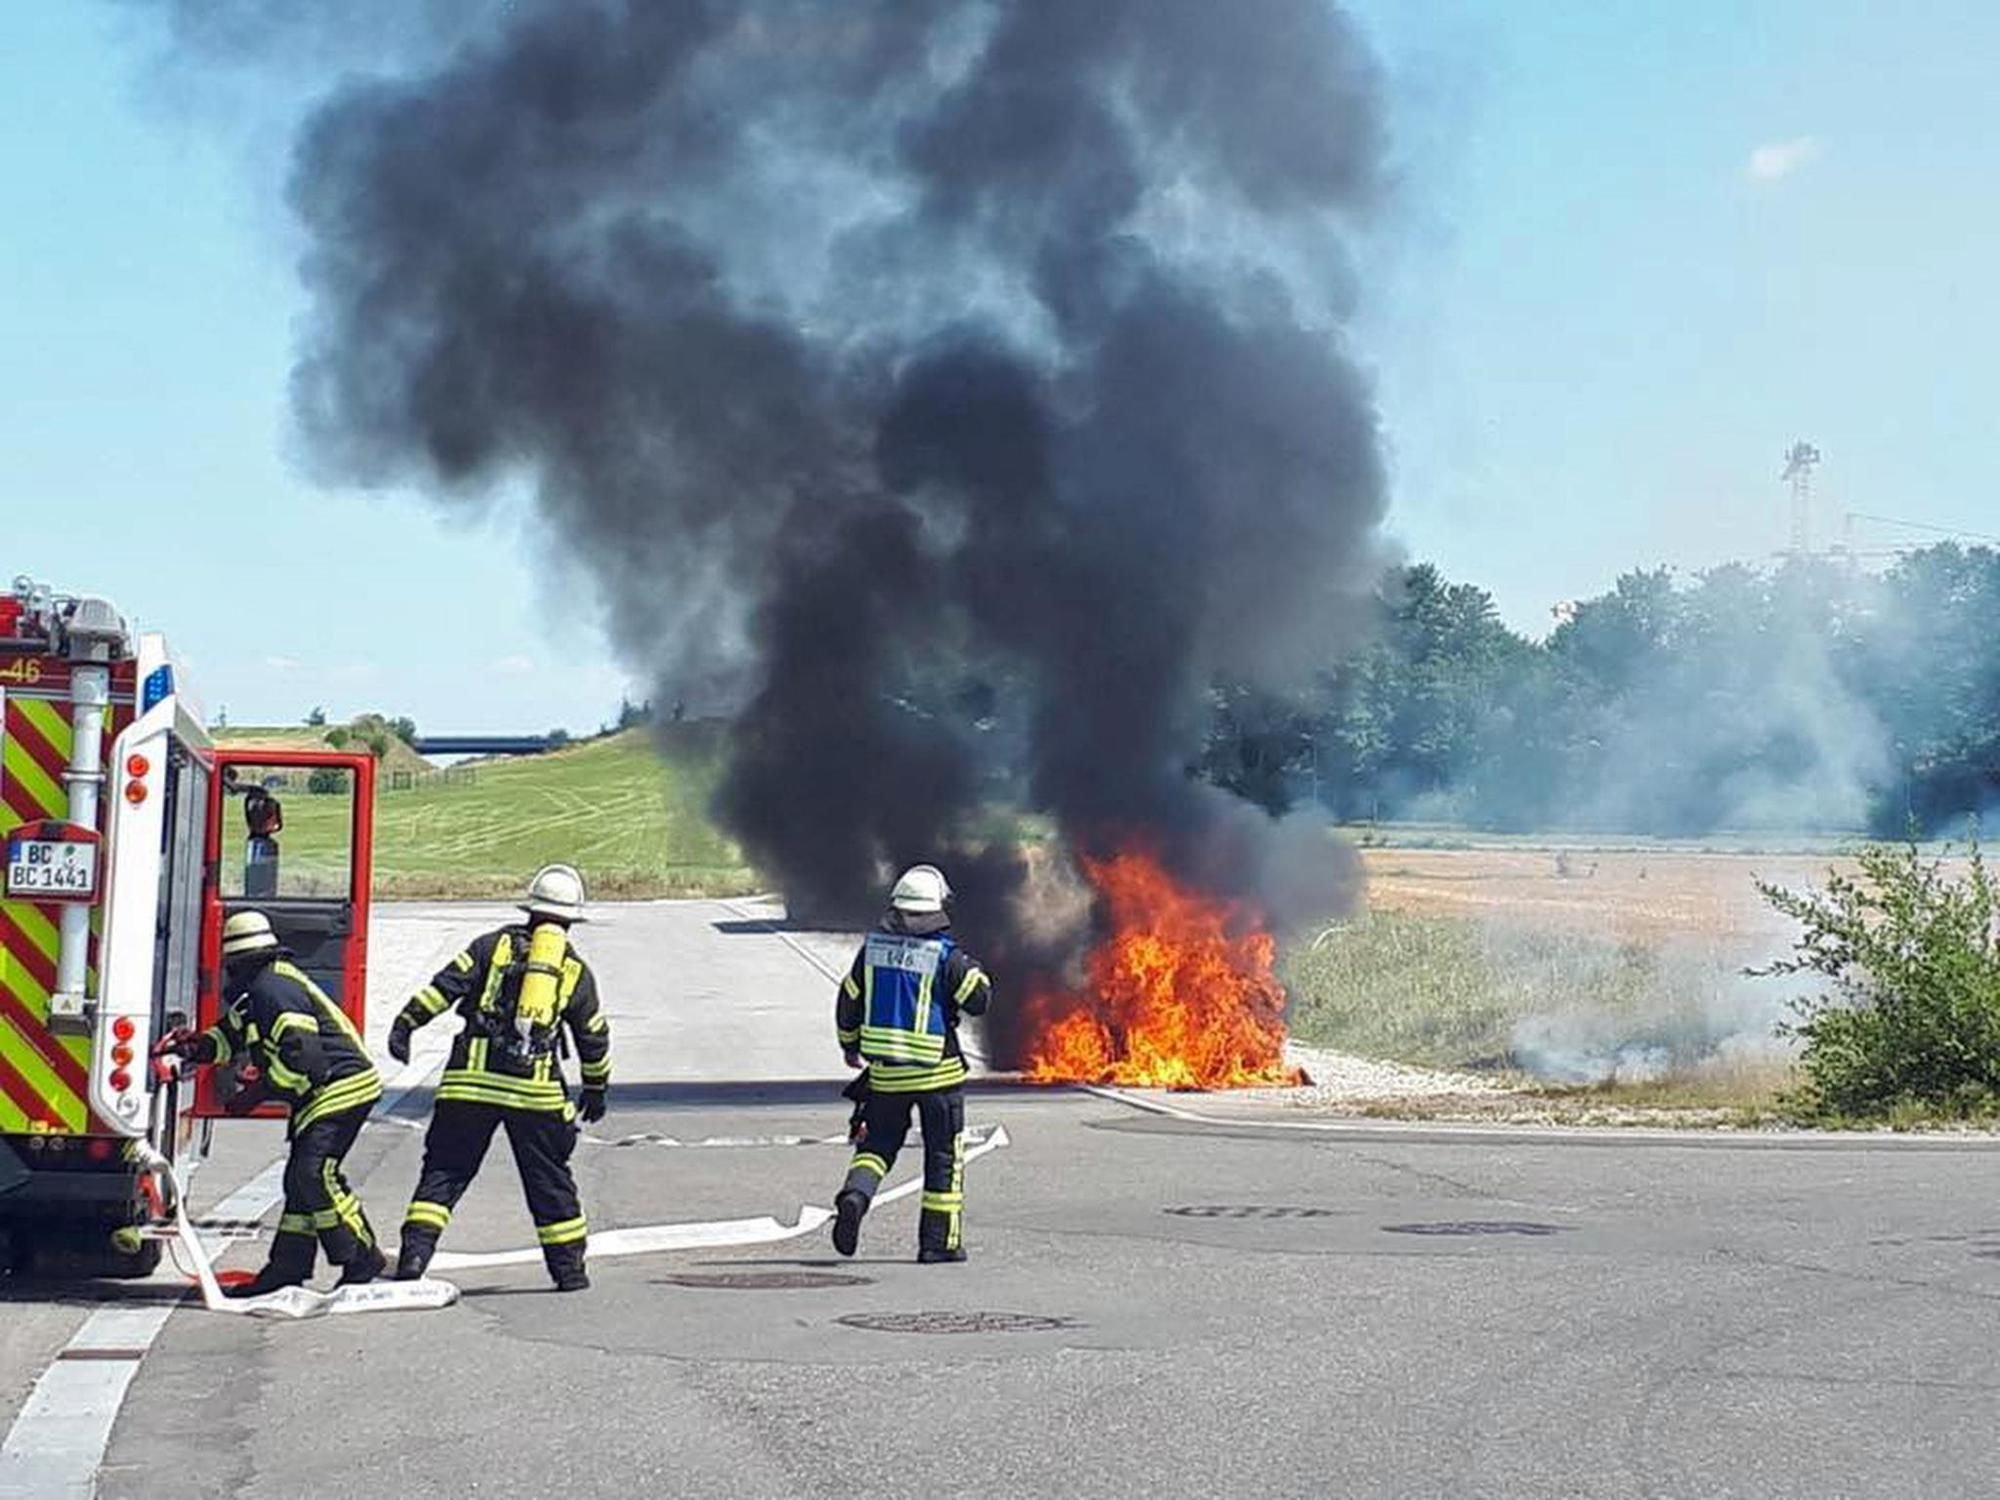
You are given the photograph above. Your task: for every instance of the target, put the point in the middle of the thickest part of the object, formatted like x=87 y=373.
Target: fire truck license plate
x=48 y=869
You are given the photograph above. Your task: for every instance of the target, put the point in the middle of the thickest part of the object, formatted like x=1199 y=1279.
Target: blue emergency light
x=159 y=687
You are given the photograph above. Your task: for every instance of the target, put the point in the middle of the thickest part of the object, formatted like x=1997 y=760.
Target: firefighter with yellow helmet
x=309 y=1056
x=524 y=994
x=897 y=1014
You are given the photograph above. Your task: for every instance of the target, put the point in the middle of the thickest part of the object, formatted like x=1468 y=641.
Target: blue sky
x=1637 y=250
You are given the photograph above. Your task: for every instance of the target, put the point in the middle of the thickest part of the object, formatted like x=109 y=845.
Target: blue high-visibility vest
x=902 y=1013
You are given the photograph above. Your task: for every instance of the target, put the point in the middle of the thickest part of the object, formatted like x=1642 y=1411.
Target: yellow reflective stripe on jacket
x=320 y=998
x=344 y=1094
x=430 y=1001
x=597 y=1074
x=893 y=1078
x=922 y=1027
x=974 y=978
x=901 y=1046
x=467 y=1087
x=285 y=1079
x=219 y=1037
x=292 y=1020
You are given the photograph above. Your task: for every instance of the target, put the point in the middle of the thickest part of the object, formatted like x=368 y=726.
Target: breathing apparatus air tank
x=541 y=982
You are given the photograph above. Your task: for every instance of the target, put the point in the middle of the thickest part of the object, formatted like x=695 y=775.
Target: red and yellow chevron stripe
x=44 y=1077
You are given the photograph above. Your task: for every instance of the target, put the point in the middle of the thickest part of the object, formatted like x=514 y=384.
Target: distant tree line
x=1811 y=696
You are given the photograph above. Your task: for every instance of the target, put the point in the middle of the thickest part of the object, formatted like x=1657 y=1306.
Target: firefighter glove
x=591 y=1106
x=194 y=1046
x=399 y=1042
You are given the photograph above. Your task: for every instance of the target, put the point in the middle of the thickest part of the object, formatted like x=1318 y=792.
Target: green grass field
x=1586 y=1025
x=634 y=820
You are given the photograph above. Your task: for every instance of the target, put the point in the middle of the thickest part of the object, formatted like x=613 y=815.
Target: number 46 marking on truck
x=24 y=673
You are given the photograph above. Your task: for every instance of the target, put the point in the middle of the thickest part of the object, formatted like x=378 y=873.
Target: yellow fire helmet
x=556 y=893
x=247 y=932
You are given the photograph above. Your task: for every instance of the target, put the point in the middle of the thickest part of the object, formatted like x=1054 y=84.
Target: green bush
x=1906 y=1021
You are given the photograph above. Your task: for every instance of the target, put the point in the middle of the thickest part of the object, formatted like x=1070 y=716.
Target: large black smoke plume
x=850 y=344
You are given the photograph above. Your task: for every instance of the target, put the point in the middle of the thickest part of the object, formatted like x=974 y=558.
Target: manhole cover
x=1251 y=1211
x=764 y=1281
x=955 y=1322
x=1478 y=1226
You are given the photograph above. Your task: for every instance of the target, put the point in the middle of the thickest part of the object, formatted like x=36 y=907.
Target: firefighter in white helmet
x=308 y=1055
x=897 y=1014
x=518 y=990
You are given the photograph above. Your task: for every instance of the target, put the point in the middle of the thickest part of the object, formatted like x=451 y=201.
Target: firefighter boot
x=291 y=1264
x=419 y=1245
x=932 y=1256
x=367 y=1264
x=565 y=1263
x=849 y=1207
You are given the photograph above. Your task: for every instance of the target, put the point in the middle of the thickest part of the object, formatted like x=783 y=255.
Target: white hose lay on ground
x=301 y=1301
x=654 y=1238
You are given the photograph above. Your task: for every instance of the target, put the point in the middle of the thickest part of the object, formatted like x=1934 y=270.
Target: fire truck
x=124 y=844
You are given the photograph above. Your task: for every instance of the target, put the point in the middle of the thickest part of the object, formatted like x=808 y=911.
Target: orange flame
x=1181 y=997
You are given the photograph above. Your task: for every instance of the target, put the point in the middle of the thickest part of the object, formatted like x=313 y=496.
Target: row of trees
x=1814 y=696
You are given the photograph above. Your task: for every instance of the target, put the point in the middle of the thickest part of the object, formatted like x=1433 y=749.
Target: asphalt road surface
x=1153 y=1306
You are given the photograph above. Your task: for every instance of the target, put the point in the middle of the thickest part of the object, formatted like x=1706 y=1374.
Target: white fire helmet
x=556 y=892
x=921 y=890
x=247 y=932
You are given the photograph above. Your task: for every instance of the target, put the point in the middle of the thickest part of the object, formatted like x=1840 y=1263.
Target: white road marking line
x=717 y=1234
x=718 y=1142
x=770 y=925
x=1556 y=1135
x=669 y=1142
x=58 y=1438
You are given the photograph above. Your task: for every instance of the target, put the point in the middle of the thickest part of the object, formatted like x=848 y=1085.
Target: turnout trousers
x=455 y=1146
x=887 y=1120
x=321 y=1209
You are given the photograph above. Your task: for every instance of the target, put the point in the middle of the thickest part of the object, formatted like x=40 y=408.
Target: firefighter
x=518 y=991
x=308 y=1055
x=897 y=1015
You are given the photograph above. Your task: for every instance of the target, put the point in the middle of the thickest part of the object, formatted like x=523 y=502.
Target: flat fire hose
x=300 y=1301
x=652 y=1239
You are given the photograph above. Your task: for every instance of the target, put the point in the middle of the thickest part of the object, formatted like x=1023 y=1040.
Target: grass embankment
x=1584 y=1025
x=633 y=818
